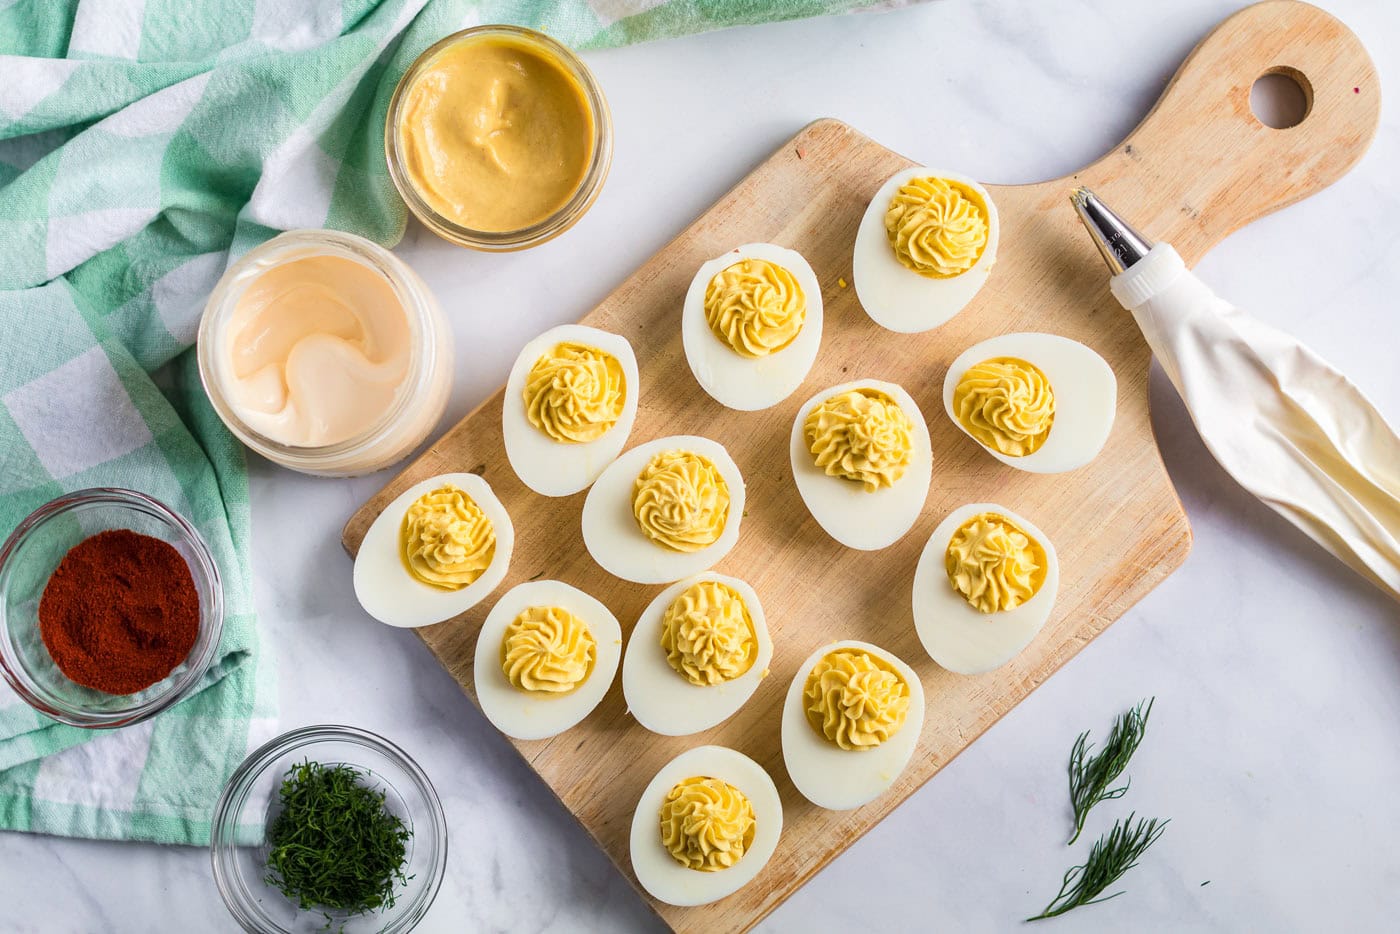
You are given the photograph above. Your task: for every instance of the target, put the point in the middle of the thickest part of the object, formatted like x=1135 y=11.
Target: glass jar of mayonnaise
x=326 y=353
x=498 y=138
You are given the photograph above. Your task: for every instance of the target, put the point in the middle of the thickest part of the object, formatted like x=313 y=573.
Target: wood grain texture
x=1197 y=168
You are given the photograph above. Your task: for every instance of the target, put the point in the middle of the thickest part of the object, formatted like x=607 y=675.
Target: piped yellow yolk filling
x=861 y=435
x=1006 y=404
x=445 y=540
x=547 y=649
x=756 y=307
x=937 y=227
x=575 y=393
x=708 y=635
x=706 y=824
x=994 y=564
x=855 y=699
x=680 y=501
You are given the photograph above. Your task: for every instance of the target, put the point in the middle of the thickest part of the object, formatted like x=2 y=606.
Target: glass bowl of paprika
x=110 y=608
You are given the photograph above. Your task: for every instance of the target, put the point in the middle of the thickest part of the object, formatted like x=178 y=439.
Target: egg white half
x=895 y=296
x=751 y=383
x=532 y=715
x=842 y=779
x=617 y=543
x=392 y=595
x=1086 y=397
x=661 y=698
x=658 y=872
x=855 y=518
x=553 y=468
x=955 y=634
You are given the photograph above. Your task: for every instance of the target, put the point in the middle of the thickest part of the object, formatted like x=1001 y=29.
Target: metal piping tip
x=1120 y=245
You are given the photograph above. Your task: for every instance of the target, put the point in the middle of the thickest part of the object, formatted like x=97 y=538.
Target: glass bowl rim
x=568 y=214
x=223 y=823
x=211 y=615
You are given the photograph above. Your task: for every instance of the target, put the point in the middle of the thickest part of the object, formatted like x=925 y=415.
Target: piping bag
x=1282 y=421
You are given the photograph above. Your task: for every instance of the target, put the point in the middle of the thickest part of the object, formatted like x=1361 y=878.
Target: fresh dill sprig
x=1112 y=855
x=1091 y=776
x=335 y=845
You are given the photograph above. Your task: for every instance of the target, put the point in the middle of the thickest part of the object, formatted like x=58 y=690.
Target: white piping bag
x=1282 y=421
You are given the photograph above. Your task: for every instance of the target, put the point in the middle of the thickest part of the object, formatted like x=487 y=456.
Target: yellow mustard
x=575 y=393
x=708 y=634
x=861 y=435
x=706 y=824
x=547 y=649
x=446 y=540
x=756 y=307
x=1007 y=404
x=855 y=699
x=937 y=227
x=994 y=564
x=680 y=501
x=495 y=134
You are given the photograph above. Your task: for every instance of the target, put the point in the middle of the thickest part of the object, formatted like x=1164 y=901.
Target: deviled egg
x=437 y=550
x=665 y=510
x=862 y=461
x=1038 y=402
x=924 y=248
x=850 y=724
x=984 y=586
x=752 y=325
x=696 y=655
x=705 y=826
x=544 y=658
x=569 y=405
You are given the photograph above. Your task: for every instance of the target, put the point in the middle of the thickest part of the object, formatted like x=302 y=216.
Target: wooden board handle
x=1202 y=165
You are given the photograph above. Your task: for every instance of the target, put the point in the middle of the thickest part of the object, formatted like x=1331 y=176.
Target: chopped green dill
x=1112 y=855
x=335 y=845
x=1091 y=777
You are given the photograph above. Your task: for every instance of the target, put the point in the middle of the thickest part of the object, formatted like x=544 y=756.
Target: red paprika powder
x=120 y=612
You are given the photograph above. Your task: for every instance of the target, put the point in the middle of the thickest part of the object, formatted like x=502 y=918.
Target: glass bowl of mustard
x=29 y=559
x=243 y=825
x=498 y=138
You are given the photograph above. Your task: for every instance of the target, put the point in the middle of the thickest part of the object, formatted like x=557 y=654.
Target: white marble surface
x=1273 y=745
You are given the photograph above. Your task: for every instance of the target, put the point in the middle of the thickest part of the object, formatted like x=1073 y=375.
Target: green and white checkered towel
x=142 y=144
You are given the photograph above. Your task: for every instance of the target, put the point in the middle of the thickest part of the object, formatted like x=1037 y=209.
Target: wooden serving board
x=1196 y=169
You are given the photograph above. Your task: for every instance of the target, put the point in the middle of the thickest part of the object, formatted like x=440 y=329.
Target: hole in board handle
x=1281 y=98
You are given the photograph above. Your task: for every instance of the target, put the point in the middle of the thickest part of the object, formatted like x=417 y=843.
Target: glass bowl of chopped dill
x=328 y=828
